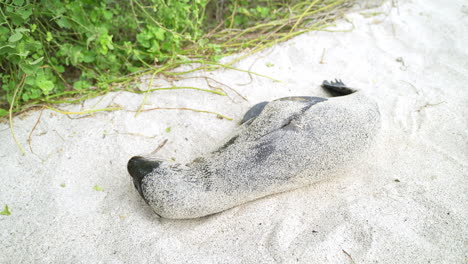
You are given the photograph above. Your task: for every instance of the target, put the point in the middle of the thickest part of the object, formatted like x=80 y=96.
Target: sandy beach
x=405 y=201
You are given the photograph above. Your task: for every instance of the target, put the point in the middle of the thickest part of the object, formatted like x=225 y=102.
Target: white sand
x=406 y=202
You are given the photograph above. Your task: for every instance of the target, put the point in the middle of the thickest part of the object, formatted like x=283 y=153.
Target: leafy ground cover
x=58 y=51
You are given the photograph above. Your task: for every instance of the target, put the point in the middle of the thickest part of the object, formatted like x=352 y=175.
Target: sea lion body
x=287 y=144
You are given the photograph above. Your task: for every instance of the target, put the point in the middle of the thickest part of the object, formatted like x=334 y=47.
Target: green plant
x=57 y=51
x=5 y=211
x=98 y=188
x=58 y=48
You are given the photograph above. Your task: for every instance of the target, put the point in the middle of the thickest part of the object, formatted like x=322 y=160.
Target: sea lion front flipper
x=253 y=112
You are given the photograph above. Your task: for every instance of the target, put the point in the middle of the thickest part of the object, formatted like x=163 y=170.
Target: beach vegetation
x=63 y=51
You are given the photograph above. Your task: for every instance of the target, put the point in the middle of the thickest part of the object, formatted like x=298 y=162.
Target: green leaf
x=15 y=37
x=29 y=69
x=88 y=56
x=144 y=38
x=23 y=54
x=3 y=112
x=105 y=42
x=59 y=68
x=59 y=9
x=98 y=188
x=168 y=129
x=90 y=39
x=5 y=211
x=21 y=29
x=7 y=49
x=63 y=23
x=81 y=85
x=49 y=36
x=63 y=185
x=3 y=31
x=18 y=2
x=107 y=14
x=34 y=93
x=159 y=33
x=30 y=80
x=36 y=61
x=15 y=17
x=155 y=48
x=269 y=64
x=45 y=84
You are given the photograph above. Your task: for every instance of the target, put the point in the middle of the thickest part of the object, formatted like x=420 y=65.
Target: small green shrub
x=51 y=46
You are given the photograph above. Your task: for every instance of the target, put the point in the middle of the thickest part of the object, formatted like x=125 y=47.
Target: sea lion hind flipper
x=337 y=88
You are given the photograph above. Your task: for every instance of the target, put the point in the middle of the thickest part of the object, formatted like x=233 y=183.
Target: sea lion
x=281 y=145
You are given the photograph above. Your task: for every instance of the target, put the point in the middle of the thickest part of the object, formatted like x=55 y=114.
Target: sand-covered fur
x=293 y=142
